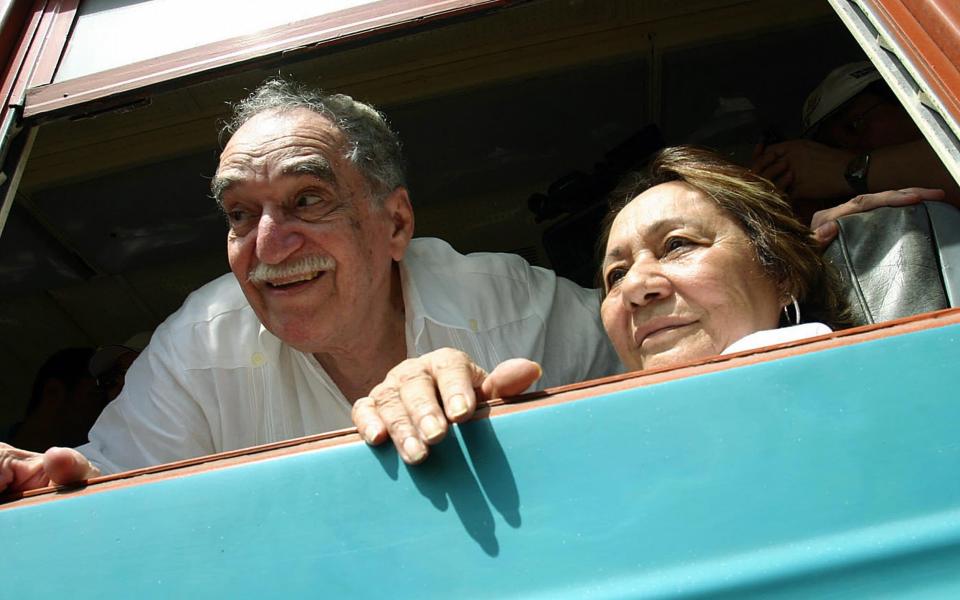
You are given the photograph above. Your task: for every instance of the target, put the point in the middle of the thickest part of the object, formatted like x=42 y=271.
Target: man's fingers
x=402 y=431
x=419 y=397
x=784 y=181
x=66 y=466
x=511 y=377
x=906 y=196
x=21 y=470
x=765 y=159
x=457 y=378
x=407 y=405
x=825 y=233
x=368 y=422
x=931 y=194
x=867 y=202
x=824 y=222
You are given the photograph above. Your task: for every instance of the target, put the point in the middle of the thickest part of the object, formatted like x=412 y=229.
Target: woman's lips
x=654 y=328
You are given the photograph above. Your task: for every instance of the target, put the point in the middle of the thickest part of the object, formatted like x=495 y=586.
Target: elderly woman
x=700 y=257
x=703 y=257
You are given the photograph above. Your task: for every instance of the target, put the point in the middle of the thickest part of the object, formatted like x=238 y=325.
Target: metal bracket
x=936 y=124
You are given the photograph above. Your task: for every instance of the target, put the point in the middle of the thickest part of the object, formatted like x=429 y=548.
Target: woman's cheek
x=617 y=324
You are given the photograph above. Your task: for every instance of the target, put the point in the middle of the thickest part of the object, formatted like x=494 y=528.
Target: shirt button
x=258 y=359
x=474 y=326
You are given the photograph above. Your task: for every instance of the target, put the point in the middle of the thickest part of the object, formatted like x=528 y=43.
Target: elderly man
x=857 y=139
x=328 y=292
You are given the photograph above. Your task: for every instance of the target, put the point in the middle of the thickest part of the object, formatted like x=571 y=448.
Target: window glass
x=110 y=33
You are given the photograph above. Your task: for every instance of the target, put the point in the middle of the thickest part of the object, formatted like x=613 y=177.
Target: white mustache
x=307 y=265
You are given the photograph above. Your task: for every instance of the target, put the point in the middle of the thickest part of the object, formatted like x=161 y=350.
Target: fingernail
x=431 y=427
x=370 y=434
x=458 y=406
x=414 y=449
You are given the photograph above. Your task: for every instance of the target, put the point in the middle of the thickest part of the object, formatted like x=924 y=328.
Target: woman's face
x=682 y=280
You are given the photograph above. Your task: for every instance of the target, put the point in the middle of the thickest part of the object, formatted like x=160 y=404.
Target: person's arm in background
x=824 y=223
x=807 y=170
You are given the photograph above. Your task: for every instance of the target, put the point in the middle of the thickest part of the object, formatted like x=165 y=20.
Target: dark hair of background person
x=785 y=247
x=64 y=402
x=69 y=366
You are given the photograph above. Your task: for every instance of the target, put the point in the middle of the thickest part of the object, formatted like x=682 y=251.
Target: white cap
x=106 y=356
x=839 y=87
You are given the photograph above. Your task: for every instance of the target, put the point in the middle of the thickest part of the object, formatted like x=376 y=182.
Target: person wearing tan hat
x=858 y=142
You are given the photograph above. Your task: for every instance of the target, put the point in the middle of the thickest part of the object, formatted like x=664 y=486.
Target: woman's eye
x=614 y=276
x=675 y=243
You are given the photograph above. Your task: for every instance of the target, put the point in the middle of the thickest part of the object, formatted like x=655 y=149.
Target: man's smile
x=292 y=280
x=293 y=274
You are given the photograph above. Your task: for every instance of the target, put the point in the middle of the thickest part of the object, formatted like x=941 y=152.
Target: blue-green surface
x=831 y=474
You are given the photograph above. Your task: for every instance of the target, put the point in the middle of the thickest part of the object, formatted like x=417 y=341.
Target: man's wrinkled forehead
x=296 y=142
x=312 y=165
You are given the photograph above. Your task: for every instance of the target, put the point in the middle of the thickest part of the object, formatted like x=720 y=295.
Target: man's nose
x=277 y=237
x=645 y=282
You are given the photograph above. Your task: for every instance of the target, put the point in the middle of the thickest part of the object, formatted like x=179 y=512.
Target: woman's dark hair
x=785 y=247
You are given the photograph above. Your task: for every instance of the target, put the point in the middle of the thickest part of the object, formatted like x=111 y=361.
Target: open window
x=813 y=469
x=514 y=116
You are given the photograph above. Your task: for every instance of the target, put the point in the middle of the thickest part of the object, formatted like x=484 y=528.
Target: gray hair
x=371 y=145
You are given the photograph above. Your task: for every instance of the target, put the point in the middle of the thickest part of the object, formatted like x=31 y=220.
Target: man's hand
x=22 y=470
x=824 y=223
x=406 y=406
x=804 y=169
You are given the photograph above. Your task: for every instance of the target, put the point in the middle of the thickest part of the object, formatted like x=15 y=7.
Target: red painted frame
x=928 y=32
x=210 y=60
x=37 y=36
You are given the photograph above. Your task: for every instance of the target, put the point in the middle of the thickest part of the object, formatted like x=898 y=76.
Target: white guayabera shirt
x=214 y=379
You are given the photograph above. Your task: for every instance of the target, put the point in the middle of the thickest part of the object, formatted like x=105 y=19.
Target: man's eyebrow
x=219 y=185
x=317 y=166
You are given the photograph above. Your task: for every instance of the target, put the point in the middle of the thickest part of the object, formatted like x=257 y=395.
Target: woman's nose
x=644 y=283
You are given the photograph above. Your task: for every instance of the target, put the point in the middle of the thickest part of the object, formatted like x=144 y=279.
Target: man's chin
x=304 y=329
x=305 y=339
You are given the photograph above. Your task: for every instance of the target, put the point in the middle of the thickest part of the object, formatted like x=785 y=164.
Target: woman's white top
x=782 y=335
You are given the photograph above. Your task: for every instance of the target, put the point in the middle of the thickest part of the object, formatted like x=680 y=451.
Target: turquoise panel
x=832 y=474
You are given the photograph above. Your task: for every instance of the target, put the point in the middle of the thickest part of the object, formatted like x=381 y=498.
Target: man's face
x=312 y=251
x=867 y=122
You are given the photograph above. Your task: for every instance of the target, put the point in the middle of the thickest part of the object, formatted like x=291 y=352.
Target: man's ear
x=400 y=212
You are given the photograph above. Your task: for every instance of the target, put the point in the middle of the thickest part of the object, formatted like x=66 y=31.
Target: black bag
x=899 y=261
